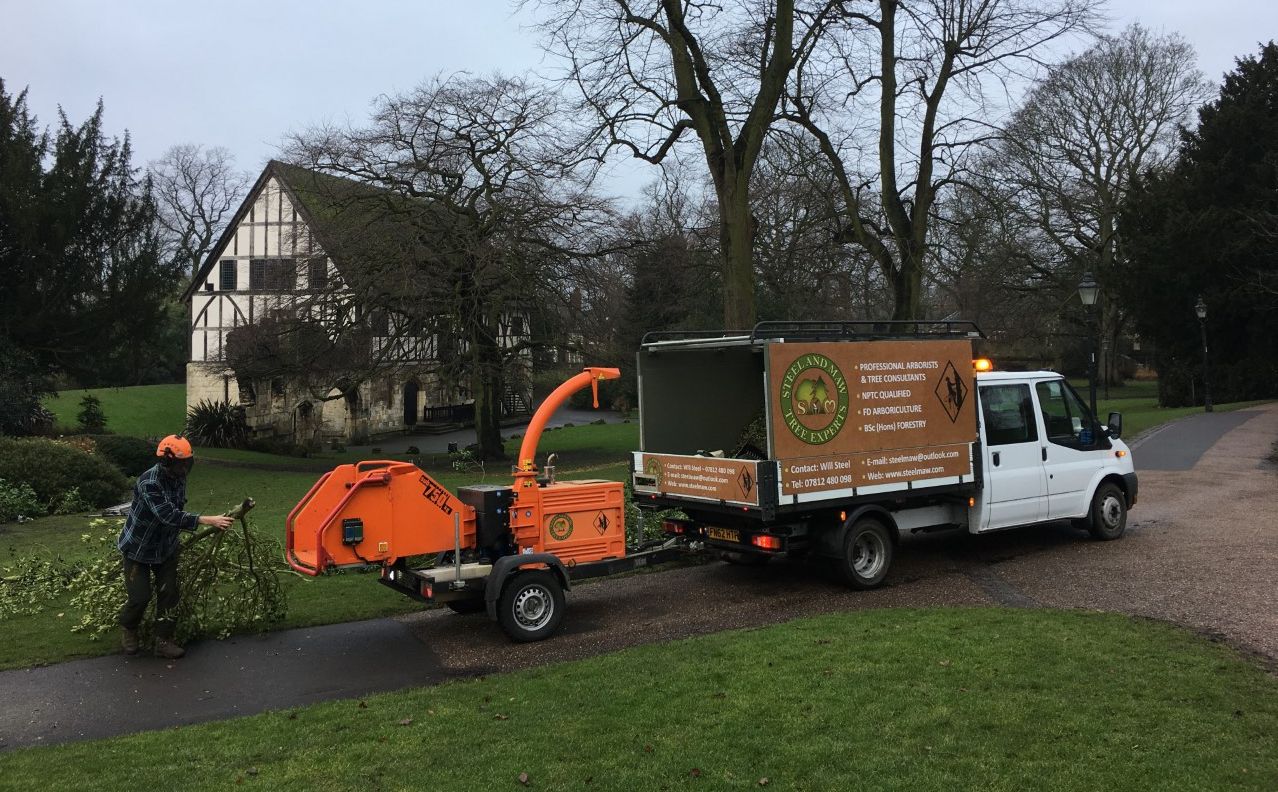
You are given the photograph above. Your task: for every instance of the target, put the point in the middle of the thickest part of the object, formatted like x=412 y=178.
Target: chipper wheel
x=531 y=606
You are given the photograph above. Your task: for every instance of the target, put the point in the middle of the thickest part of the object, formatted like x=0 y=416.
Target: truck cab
x=1045 y=458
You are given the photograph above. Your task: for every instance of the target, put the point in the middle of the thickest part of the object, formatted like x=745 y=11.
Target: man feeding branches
x=149 y=543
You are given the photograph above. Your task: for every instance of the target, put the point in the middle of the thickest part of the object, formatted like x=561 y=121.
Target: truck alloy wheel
x=867 y=554
x=1109 y=513
x=531 y=606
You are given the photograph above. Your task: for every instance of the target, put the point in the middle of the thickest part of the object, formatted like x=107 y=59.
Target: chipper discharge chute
x=509 y=549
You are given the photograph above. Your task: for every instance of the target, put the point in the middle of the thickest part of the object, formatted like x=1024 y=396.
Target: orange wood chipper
x=512 y=550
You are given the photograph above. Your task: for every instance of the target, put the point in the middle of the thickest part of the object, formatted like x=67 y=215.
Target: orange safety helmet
x=176 y=447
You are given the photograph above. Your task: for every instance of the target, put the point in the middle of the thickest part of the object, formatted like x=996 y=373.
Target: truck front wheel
x=531 y=606
x=1108 y=518
x=867 y=554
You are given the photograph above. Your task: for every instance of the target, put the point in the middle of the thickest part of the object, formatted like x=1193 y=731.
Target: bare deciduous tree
x=471 y=200
x=651 y=72
x=898 y=93
x=1069 y=157
x=196 y=191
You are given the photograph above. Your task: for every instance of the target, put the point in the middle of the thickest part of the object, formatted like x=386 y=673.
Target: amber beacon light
x=982 y=364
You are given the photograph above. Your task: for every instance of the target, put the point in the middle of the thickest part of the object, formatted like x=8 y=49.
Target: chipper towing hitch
x=511 y=550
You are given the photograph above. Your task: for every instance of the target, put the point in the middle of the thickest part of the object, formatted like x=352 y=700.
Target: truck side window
x=1067 y=421
x=1008 y=413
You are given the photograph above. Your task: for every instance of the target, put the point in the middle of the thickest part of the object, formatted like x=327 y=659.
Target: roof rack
x=866 y=329
x=656 y=336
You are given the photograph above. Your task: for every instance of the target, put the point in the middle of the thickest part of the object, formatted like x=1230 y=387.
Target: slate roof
x=330 y=206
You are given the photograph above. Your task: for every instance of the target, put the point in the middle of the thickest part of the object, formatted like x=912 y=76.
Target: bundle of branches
x=229 y=582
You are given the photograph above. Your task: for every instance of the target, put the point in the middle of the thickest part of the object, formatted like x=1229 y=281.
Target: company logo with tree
x=814 y=399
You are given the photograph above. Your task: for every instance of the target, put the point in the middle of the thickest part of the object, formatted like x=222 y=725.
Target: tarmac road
x=1201 y=550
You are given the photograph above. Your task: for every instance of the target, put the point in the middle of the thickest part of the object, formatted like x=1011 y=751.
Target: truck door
x=1015 y=484
x=1072 y=451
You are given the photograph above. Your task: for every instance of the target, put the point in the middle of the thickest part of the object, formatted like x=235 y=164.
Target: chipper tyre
x=1108 y=517
x=867 y=555
x=531 y=606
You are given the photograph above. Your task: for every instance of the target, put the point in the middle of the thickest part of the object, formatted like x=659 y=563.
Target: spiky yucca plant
x=216 y=424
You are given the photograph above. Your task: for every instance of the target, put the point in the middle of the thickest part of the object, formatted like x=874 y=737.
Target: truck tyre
x=867 y=554
x=531 y=606
x=1108 y=517
x=476 y=605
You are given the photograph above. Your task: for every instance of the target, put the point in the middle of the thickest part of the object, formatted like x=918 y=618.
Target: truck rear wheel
x=867 y=554
x=531 y=606
x=1108 y=518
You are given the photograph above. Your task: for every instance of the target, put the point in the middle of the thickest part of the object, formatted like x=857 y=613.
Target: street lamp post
x=1088 y=291
x=1200 y=308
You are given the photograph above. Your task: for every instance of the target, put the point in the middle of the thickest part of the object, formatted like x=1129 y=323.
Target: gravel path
x=1201 y=550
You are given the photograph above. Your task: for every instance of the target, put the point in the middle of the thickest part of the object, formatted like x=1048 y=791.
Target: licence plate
x=724 y=534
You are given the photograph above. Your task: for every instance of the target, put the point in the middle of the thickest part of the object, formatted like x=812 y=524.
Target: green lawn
x=935 y=699
x=1138 y=402
x=139 y=411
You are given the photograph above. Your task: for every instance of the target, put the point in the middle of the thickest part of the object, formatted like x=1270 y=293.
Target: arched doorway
x=411 y=412
x=353 y=432
x=306 y=424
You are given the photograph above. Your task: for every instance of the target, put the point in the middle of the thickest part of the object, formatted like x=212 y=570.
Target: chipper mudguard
x=372 y=513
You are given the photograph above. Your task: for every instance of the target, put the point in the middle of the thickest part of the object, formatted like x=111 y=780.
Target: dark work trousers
x=137 y=582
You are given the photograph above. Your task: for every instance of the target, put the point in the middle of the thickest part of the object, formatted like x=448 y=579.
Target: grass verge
x=1138 y=402
x=138 y=411
x=904 y=699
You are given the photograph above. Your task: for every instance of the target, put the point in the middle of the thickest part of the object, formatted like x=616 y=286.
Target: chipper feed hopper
x=512 y=550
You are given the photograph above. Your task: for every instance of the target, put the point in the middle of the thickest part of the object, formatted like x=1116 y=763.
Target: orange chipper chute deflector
x=526 y=461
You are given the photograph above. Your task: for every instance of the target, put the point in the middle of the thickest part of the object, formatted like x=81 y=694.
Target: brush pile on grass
x=229 y=582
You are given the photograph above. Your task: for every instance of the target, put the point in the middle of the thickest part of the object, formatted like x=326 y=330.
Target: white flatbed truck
x=832 y=439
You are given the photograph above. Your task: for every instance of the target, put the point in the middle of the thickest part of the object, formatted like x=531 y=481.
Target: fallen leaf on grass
x=363 y=705
x=695 y=772
x=251 y=771
x=764 y=781
x=945 y=663
x=647 y=749
x=524 y=779
x=499 y=716
x=406 y=722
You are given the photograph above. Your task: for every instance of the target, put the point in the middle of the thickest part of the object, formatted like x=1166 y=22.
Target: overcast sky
x=243 y=73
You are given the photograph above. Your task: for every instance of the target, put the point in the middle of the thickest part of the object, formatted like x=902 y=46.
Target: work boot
x=167 y=649
x=129 y=640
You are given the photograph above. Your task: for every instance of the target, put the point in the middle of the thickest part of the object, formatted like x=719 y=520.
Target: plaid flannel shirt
x=150 y=534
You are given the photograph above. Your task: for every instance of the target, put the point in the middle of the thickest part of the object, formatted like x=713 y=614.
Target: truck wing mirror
x=1114 y=426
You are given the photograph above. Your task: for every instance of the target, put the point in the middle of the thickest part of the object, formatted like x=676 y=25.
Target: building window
x=228 y=281
x=272 y=275
x=317 y=273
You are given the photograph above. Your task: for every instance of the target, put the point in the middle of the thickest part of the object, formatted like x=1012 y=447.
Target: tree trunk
x=907 y=286
x=486 y=386
x=736 y=251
